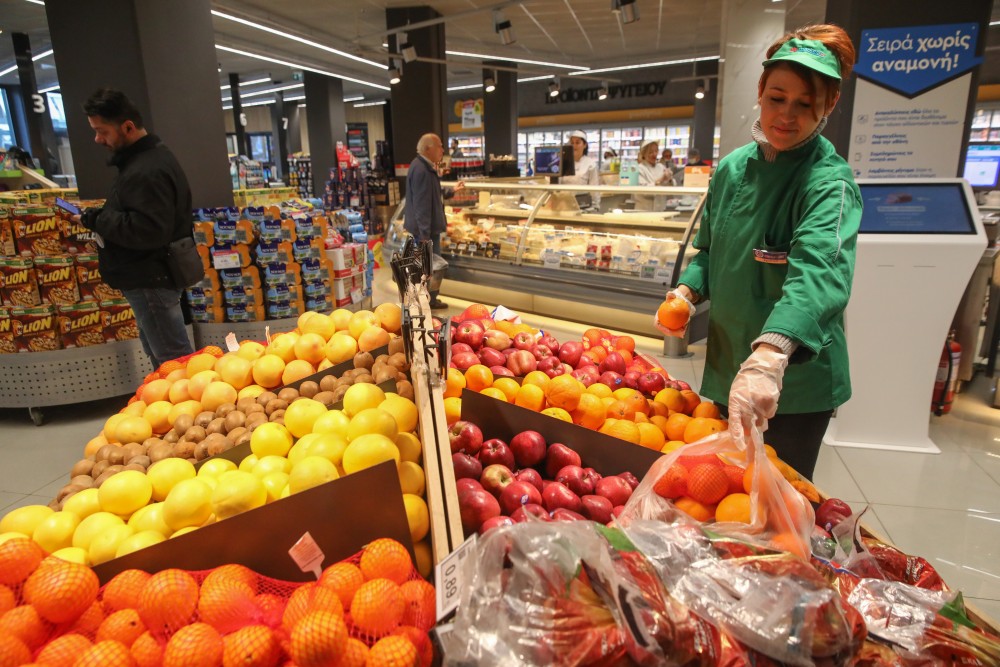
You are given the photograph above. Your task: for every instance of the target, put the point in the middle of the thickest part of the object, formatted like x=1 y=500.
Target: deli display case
x=566 y=250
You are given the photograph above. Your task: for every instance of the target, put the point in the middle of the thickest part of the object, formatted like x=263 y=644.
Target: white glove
x=753 y=397
x=676 y=333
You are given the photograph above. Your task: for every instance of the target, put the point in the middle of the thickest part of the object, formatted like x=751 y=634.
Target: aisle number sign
x=911 y=98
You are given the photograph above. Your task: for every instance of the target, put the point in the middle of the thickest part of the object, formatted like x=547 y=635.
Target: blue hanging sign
x=913 y=60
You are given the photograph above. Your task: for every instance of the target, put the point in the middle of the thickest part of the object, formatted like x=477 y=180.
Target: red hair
x=832 y=37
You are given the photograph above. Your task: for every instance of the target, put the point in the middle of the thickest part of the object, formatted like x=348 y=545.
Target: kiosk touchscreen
x=918 y=244
x=982 y=166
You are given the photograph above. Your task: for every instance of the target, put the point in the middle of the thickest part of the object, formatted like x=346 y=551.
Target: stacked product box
x=350 y=264
x=50 y=284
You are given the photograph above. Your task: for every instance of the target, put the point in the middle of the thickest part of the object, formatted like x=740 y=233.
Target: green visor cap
x=808 y=53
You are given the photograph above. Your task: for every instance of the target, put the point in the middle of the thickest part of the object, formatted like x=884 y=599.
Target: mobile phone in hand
x=66 y=206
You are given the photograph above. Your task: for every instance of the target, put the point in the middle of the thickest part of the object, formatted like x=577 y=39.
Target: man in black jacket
x=149 y=206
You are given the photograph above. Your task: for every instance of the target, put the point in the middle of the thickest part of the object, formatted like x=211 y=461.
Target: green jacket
x=805 y=204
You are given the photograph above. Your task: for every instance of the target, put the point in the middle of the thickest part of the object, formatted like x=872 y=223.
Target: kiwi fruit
x=276 y=404
x=141 y=461
x=133 y=450
x=288 y=394
x=204 y=418
x=68 y=491
x=117 y=456
x=84 y=481
x=218 y=445
x=81 y=467
x=234 y=419
x=255 y=419
x=149 y=442
x=338 y=393
x=183 y=423
x=363 y=360
x=256 y=407
x=265 y=396
x=104 y=452
x=364 y=379
x=184 y=449
x=201 y=450
x=327 y=383
x=405 y=389
x=308 y=389
x=399 y=361
x=276 y=415
x=195 y=434
x=134 y=466
x=224 y=409
x=237 y=432
x=171 y=436
x=383 y=374
x=243 y=439
x=98 y=468
x=396 y=345
x=159 y=452
x=325 y=397
x=217 y=425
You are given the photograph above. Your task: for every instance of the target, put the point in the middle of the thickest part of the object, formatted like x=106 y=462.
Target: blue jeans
x=161 y=323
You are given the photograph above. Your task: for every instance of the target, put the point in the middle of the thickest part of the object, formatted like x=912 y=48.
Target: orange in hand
x=673 y=314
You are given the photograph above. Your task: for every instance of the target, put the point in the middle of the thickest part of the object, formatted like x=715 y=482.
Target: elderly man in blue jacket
x=424 y=218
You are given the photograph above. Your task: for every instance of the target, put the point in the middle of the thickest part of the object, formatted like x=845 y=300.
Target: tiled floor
x=944 y=507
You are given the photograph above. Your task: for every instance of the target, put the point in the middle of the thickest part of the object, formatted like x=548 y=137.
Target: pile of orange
x=374 y=607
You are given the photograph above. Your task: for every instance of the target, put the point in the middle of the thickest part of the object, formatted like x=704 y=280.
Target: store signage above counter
x=618 y=91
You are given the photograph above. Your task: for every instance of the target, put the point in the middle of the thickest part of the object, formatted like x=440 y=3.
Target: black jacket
x=149 y=206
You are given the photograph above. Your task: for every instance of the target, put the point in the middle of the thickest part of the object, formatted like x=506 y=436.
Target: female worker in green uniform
x=776 y=255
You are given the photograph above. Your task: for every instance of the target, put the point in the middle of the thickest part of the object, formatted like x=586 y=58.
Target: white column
x=748 y=28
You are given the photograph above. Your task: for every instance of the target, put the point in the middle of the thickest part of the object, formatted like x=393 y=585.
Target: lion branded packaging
x=275 y=252
x=7 y=248
x=243 y=313
x=277 y=230
x=243 y=295
x=34 y=329
x=80 y=325
x=119 y=322
x=18 y=284
x=243 y=277
x=88 y=280
x=6 y=332
x=207 y=313
x=303 y=249
x=76 y=237
x=36 y=231
x=57 y=280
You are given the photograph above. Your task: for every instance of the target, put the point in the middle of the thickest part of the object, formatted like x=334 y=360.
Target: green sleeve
x=820 y=265
x=695 y=275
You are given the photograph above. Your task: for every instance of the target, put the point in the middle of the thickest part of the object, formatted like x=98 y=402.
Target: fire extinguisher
x=947 y=376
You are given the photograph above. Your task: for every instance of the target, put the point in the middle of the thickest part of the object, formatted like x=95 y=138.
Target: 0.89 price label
x=449 y=577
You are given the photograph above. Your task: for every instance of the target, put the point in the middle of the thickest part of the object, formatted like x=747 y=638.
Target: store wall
x=258 y=119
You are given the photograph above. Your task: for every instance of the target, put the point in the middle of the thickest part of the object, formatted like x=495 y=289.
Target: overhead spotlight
x=395 y=72
x=554 y=89
x=627 y=9
x=700 y=92
x=602 y=92
x=503 y=28
x=489 y=82
x=220 y=68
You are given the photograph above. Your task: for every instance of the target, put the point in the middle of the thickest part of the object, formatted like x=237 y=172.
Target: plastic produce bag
x=540 y=593
x=780 y=516
x=775 y=604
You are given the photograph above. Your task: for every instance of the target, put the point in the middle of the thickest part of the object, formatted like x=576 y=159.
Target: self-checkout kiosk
x=918 y=244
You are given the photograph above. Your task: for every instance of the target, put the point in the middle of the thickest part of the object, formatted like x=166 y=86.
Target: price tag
x=231 y=343
x=448 y=576
x=551 y=261
x=590 y=255
x=473 y=247
x=307 y=555
x=355 y=202
x=462 y=247
x=226 y=260
x=356 y=296
x=663 y=273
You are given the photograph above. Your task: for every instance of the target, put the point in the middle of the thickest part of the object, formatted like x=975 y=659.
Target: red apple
x=496 y=339
x=682 y=385
x=466 y=466
x=551 y=366
x=597 y=508
x=495 y=522
x=549 y=341
x=615 y=489
x=567 y=369
x=459 y=348
x=522 y=362
x=631 y=379
x=588 y=375
x=516 y=494
x=495 y=477
x=529 y=448
x=831 y=512
x=471 y=333
x=557 y=457
x=494 y=451
x=501 y=371
x=490 y=357
x=617 y=511
x=570 y=352
x=651 y=383
x=613 y=362
x=581 y=481
x=541 y=352
x=612 y=379
x=530 y=512
x=477 y=507
x=531 y=476
x=467 y=484
x=557 y=495
x=563 y=514
x=524 y=340
x=464 y=360
x=632 y=480
x=465 y=437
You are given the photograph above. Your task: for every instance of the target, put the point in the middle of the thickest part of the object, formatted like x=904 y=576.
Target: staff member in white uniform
x=587 y=172
x=652 y=173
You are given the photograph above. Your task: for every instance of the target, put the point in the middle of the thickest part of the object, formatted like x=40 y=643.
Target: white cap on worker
x=579 y=134
x=645 y=144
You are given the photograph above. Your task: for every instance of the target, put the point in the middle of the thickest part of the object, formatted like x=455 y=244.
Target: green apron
x=776 y=254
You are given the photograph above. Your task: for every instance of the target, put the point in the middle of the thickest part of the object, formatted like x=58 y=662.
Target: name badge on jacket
x=770 y=256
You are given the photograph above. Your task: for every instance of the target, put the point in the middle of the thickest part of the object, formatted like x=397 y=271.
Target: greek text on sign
x=913 y=60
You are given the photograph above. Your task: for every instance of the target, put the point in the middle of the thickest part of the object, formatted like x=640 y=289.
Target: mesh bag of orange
x=372 y=604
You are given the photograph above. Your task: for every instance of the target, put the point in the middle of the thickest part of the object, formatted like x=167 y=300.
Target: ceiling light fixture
x=307 y=68
x=37 y=2
x=626 y=10
x=503 y=28
x=699 y=94
x=370 y=104
x=644 y=65
x=43 y=54
x=266 y=79
x=259 y=103
x=554 y=88
x=272 y=90
x=300 y=40
x=602 y=92
x=395 y=73
x=469 y=87
x=356 y=98
x=295 y=99
x=489 y=81
x=50 y=89
x=466 y=54
x=220 y=68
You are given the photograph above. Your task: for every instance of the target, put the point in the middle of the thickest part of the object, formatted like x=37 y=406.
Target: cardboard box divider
x=342 y=516
x=442 y=493
x=606 y=455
